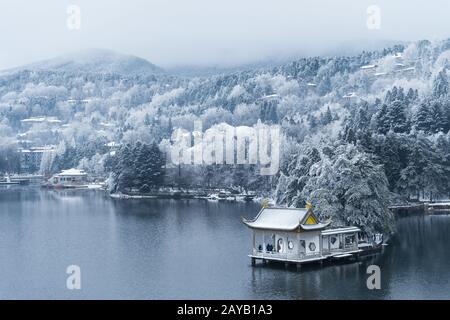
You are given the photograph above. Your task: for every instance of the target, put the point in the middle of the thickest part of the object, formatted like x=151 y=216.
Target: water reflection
x=192 y=249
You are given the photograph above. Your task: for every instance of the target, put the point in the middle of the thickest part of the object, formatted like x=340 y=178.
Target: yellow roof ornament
x=308 y=205
x=265 y=203
x=310 y=220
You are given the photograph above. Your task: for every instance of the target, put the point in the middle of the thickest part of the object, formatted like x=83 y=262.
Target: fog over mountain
x=94 y=61
x=209 y=33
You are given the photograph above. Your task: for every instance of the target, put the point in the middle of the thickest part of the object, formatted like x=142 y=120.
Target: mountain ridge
x=94 y=61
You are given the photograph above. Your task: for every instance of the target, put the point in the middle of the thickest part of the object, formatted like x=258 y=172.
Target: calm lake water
x=167 y=249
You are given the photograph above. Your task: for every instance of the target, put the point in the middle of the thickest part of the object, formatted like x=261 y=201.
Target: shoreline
x=186 y=195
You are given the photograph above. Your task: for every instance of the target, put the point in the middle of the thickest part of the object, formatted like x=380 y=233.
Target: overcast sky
x=210 y=32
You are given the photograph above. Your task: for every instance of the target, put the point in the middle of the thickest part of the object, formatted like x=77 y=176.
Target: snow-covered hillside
x=357 y=131
x=96 y=61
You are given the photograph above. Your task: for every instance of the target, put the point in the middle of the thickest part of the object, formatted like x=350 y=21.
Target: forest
x=359 y=133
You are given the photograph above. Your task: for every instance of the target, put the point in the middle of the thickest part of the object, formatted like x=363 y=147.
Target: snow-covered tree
x=440 y=84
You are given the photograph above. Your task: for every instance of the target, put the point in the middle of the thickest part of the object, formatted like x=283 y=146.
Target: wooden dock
x=422 y=208
x=437 y=207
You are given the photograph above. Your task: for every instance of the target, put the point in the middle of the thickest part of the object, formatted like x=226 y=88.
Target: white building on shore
x=71 y=178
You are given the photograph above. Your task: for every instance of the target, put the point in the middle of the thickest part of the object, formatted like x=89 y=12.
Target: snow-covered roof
x=369 y=66
x=77 y=100
x=277 y=219
x=72 y=172
x=35 y=119
x=287 y=219
x=316 y=226
x=40 y=119
x=106 y=124
x=271 y=96
x=37 y=149
x=113 y=144
x=340 y=230
x=350 y=95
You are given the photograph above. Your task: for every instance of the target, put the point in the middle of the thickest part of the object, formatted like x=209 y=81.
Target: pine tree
x=440 y=85
x=296 y=177
x=442 y=149
x=436 y=118
x=446 y=114
x=422 y=118
x=401 y=94
x=410 y=96
x=327 y=117
x=397 y=117
x=154 y=168
x=312 y=122
x=424 y=171
x=382 y=121
x=411 y=177
x=350 y=188
x=324 y=86
x=124 y=169
x=362 y=120
x=390 y=157
x=350 y=135
x=139 y=157
x=388 y=97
